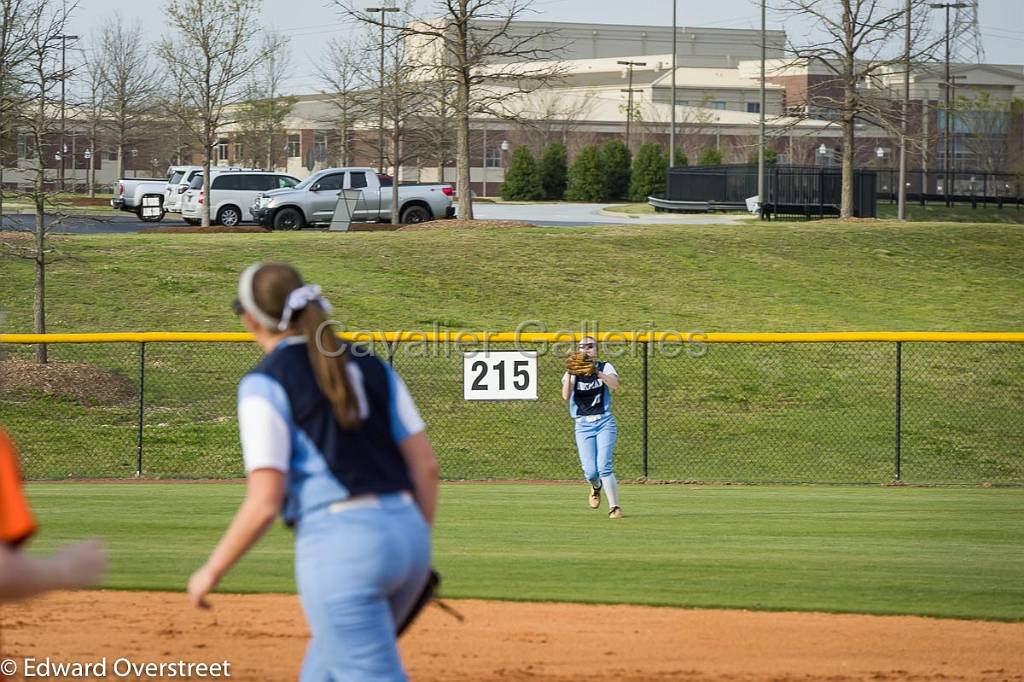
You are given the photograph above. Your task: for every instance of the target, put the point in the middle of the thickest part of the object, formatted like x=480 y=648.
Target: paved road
x=84 y=224
x=578 y=215
x=545 y=215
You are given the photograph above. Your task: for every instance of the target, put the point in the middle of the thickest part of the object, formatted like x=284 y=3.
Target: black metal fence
x=833 y=412
x=790 y=191
x=975 y=187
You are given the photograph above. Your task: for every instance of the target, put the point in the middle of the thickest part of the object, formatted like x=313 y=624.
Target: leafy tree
x=586 y=179
x=681 y=159
x=710 y=157
x=522 y=179
x=615 y=170
x=554 y=171
x=771 y=157
x=649 y=170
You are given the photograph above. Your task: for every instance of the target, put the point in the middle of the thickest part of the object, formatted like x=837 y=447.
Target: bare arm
x=610 y=380
x=23 y=576
x=263 y=499
x=567 y=382
x=424 y=470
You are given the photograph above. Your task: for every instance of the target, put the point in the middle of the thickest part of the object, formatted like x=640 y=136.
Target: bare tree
x=856 y=45
x=210 y=60
x=261 y=116
x=989 y=121
x=343 y=73
x=16 y=42
x=93 y=107
x=129 y=81
x=474 y=45
x=45 y=23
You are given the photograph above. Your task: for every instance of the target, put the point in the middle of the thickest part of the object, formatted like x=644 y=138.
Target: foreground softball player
x=587 y=385
x=331 y=438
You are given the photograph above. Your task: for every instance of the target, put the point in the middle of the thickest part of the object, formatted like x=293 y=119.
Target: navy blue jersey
x=288 y=424
x=589 y=394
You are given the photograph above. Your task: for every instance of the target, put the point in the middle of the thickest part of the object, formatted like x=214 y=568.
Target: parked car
x=232 y=195
x=143 y=197
x=176 y=175
x=313 y=200
x=179 y=178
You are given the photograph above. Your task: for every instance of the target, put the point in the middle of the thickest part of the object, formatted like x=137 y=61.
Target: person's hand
x=202 y=583
x=81 y=564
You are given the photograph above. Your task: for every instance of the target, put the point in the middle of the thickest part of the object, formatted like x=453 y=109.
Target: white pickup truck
x=313 y=201
x=141 y=196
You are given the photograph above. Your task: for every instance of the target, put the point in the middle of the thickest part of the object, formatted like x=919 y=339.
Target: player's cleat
x=615 y=513
x=595 y=498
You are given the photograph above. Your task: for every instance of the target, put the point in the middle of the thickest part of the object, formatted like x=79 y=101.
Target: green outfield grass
x=936 y=552
x=743 y=413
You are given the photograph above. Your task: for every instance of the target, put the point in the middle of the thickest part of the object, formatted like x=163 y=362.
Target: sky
x=311 y=23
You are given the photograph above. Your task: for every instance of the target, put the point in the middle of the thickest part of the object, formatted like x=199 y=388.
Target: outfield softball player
x=590 y=405
x=331 y=439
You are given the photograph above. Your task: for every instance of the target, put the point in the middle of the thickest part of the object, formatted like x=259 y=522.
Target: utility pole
x=380 y=129
x=947 y=130
x=64 y=38
x=629 y=100
x=901 y=197
x=672 y=130
x=761 y=140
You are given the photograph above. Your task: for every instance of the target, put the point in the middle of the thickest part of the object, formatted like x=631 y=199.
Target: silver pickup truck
x=313 y=201
x=143 y=197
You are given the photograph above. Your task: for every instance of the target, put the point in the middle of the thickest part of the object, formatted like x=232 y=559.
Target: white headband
x=297 y=300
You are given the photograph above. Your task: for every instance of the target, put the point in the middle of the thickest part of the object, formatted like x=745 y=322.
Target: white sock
x=611 y=489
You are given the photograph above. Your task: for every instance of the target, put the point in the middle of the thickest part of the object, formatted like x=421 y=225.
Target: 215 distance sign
x=499 y=375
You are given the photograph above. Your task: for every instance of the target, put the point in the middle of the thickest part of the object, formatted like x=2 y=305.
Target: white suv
x=179 y=179
x=177 y=176
x=232 y=194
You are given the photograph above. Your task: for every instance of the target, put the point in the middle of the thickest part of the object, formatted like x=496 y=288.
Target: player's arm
x=409 y=433
x=567 y=382
x=263 y=499
x=23 y=576
x=424 y=472
x=610 y=379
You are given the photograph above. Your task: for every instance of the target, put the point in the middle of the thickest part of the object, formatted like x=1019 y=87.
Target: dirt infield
x=264 y=636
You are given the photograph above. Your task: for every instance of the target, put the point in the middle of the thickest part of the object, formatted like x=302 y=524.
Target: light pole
x=901 y=200
x=672 y=130
x=64 y=38
x=380 y=130
x=629 y=99
x=948 y=92
x=761 y=140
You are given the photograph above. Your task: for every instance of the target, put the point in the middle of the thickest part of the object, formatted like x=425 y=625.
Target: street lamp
x=629 y=101
x=761 y=108
x=823 y=153
x=948 y=91
x=380 y=136
x=63 y=38
x=672 y=130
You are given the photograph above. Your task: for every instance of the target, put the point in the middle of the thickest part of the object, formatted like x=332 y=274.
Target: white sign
x=499 y=375
x=151 y=207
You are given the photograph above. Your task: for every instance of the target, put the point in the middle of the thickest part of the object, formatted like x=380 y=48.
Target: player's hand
x=81 y=564
x=201 y=584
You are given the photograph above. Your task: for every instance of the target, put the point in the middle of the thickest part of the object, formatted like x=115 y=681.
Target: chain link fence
x=824 y=412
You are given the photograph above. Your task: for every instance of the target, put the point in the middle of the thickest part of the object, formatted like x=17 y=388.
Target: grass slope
x=948 y=553
x=779 y=277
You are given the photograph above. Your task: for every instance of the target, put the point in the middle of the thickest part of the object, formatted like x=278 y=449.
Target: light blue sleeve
x=405 y=418
x=264 y=423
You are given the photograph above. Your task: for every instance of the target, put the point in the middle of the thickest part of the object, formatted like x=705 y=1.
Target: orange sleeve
x=16 y=522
